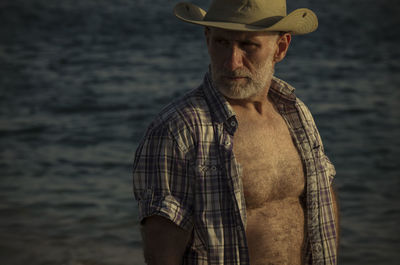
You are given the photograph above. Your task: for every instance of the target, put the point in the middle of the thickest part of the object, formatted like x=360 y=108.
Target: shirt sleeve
x=316 y=140
x=161 y=179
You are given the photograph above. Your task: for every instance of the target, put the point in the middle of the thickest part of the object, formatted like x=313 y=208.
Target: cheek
x=263 y=58
x=252 y=62
x=216 y=56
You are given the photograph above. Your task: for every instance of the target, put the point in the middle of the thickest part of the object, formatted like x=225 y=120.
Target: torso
x=273 y=183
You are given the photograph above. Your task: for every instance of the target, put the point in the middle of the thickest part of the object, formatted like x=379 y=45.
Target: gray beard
x=256 y=83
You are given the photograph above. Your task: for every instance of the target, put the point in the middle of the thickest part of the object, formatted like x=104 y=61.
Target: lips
x=234 y=77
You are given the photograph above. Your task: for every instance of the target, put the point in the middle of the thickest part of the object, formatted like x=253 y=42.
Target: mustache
x=236 y=73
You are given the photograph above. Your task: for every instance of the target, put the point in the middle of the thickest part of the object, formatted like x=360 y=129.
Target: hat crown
x=249 y=15
x=251 y=12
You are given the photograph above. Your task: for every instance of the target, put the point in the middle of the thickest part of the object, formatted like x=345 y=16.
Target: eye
x=221 y=42
x=249 y=45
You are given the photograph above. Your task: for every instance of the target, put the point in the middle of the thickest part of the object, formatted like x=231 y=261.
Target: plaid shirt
x=185 y=170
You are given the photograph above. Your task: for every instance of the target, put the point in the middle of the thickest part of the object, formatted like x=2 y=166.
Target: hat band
x=266 y=22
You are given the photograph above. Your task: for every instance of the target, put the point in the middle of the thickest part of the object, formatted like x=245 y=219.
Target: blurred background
x=81 y=79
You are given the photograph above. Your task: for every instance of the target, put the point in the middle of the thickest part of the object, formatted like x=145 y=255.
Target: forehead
x=242 y=35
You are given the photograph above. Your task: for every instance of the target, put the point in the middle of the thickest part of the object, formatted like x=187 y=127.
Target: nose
x=234 y=59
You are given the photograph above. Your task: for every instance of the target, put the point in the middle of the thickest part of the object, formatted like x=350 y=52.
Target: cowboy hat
x=249 y=15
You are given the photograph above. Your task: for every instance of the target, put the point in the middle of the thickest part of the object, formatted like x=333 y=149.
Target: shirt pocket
x=208 y=176
x=213 y=192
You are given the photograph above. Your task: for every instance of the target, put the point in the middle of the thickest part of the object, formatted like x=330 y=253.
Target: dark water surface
x=80 y=80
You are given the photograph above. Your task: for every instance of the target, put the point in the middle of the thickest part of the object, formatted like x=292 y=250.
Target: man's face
x=242 y=63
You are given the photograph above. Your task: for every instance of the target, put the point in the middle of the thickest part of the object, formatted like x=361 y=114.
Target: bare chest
x=271 y=165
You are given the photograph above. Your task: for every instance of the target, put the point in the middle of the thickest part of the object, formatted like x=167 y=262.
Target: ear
x=282 y=47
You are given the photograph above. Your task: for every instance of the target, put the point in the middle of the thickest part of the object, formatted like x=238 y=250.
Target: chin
x=233 y=93
x=239 y=89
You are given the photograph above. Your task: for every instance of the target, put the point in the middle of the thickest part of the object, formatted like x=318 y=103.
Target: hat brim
x=300 y=21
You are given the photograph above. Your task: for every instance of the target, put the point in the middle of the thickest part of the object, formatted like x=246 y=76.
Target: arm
x=162 y=185
x=164 y=242
x=336 y=213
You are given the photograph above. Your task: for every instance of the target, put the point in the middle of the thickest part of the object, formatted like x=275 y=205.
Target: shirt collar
x=281 y=92
x=281 y=89
x=219 y=106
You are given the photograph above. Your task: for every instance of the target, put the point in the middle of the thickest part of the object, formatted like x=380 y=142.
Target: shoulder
x=304 y=111
x=308 y=122
x=180 y=119
x=284 y=93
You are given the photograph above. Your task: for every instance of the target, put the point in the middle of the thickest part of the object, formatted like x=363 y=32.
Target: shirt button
x=227 y=143
x=233 y=123
x=238 y=228
x=314 y=205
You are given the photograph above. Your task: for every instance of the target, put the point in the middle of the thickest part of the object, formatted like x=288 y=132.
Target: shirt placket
x=304 y=146
x=233 y=177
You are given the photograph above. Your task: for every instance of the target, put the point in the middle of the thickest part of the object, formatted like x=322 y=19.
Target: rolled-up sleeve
x=162 y=183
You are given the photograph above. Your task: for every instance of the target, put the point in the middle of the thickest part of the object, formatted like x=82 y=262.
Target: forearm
x=164 y=242
x=336 y=213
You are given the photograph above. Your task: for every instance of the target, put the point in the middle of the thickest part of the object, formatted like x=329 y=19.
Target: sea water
x=81 y=80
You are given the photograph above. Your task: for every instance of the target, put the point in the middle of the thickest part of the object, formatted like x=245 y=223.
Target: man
x=235 y=172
